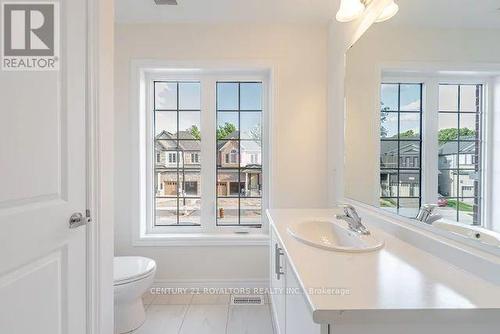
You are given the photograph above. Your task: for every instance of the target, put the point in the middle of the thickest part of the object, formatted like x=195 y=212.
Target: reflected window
x=401 y=147
x=459 y=153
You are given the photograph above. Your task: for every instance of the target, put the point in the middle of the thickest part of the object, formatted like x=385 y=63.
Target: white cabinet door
x=298 y=313
x=278 y=284
x=42 y=175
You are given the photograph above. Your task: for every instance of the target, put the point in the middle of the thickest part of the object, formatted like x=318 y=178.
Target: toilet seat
x=128 y=269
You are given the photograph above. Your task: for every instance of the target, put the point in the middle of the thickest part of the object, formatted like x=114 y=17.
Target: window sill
x=202 y=239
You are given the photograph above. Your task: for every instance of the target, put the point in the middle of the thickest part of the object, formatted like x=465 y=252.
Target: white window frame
x=430 y=123
x=144 y=72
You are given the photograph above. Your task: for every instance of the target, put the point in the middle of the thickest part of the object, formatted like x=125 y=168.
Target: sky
x=410 y=101
x=248 y=98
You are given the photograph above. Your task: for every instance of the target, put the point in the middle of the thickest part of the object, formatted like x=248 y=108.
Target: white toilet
x=133 y=276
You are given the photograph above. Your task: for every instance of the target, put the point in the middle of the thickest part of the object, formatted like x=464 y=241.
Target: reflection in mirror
x=421 y=128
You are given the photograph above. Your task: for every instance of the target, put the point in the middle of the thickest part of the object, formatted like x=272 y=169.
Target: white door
x=42 y=183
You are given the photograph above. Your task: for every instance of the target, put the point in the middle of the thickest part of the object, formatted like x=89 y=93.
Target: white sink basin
x=333 y=236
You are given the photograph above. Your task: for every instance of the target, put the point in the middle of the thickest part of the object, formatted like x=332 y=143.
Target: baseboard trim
x=211 y=283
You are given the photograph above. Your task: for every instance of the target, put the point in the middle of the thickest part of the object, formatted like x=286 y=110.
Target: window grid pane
x=239 y=154
x=177 y=153
x=401 y=148
x=460 y=151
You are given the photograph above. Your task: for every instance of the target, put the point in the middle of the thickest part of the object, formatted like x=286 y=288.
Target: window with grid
x=239 y=154
x=460 y=150
x=231 y=114
x=401 y=148
x=177 y=146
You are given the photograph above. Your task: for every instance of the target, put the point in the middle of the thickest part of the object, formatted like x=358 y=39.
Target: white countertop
x=399 y=278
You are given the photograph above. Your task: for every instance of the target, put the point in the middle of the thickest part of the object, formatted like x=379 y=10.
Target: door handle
x=278 y=252
x=77 y=219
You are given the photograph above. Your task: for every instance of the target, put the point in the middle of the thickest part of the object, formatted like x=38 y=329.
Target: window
x=177 y=132
x=455 y=147
x=180 y=119
x=460 y=149
x=172 y=158
x=234 y=157
x=195 y=158
x=239 y=146
x=401 y=147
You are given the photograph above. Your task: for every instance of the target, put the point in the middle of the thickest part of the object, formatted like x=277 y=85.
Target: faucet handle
x=425 y=212
x=350 y=211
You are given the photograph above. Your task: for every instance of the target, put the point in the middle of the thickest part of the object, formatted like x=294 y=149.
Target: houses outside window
x=460 y=150
x=176 y=119
x=456 y=146
x=178 y=122
x=239 y=153
x=401 y=146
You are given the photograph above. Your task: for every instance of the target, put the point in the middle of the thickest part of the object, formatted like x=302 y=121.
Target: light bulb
x=388 y=12
x=349 y=10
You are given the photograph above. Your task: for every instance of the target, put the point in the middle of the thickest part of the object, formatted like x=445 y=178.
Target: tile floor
x=203 y=314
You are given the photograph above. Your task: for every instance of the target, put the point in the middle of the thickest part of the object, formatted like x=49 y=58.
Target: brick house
x=185 y=157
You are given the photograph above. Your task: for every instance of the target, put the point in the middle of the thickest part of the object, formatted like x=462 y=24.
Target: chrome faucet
x=425 y=212
x=353 y=220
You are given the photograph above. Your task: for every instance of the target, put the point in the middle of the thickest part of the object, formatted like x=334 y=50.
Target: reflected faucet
x=353 y=220
x=425 y=214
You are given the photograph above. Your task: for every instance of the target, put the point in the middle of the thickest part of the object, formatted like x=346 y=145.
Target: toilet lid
x=130 y=268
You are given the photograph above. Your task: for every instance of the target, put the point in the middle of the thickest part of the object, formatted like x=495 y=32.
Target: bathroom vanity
x=399 y=288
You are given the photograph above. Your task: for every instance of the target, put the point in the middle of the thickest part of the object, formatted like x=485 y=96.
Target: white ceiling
x=471 y=14
x=205 y=11
x=421 y=13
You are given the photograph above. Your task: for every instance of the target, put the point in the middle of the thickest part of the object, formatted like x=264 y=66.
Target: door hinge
x=88 y=217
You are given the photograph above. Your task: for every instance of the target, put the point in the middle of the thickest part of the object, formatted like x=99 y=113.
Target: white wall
x=299 y=152
x=407 y=47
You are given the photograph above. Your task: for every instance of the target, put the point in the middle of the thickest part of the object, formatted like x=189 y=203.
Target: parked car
x=442 y=202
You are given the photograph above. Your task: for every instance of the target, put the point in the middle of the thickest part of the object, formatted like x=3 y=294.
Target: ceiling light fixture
x=166 y=2
x=388 y=12
x=350 y=10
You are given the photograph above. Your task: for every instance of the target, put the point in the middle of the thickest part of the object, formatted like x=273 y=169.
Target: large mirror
x=422 y=131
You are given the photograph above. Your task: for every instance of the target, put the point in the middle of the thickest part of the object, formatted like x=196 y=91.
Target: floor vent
x=247 y=300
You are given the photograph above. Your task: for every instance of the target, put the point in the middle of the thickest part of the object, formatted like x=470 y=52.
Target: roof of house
x=410 y=148
x=245 y=144
x=223 y=142
x=450 y=148
x=406 y=148
x=249 y=145
x=233 y=135
x=167 y=141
